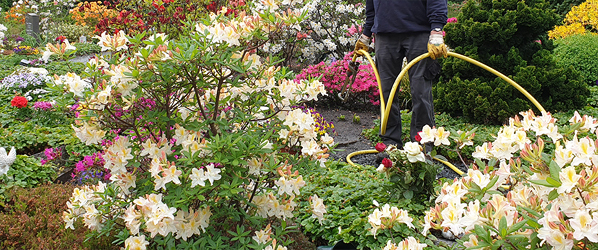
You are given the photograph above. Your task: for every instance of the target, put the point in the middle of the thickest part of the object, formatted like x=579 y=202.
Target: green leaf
x=553 y=195
x=551 y=181
x=554 y=170
x=408 y=194
x=516 y=226
x=543 y=183
x=483 y=234
x=491 y=184
x=502 y=226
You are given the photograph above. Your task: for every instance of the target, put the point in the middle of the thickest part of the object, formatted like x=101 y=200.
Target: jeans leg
x=421 y=89
x=389 y=59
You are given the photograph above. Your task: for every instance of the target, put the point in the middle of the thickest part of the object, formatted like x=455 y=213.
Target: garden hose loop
x=385 y=111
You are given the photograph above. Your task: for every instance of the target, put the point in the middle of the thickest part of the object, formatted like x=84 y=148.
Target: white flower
x=136 y=243
x=441 y=137
x=568 y=178
x=427 y=134
x=263 y=236
x=483 y=151
x=197 y=177
x=414 y=152
x=318 y=208
x=212 y=174
x=584 y=226
x=6 y=159
x=114 y=43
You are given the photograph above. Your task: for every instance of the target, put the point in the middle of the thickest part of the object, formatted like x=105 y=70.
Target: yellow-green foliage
x=579 y=20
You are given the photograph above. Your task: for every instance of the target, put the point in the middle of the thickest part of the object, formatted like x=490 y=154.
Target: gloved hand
x=436 y=46
x=363 y=43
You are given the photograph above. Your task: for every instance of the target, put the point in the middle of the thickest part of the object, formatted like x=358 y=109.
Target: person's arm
x=369 y=18
x=437 y=13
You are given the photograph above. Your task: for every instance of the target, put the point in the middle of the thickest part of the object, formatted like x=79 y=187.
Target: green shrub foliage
x=579 y=52
x=509 y=36
x=563 y=6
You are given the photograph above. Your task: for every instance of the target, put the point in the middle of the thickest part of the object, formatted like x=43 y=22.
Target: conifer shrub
x=509 y=36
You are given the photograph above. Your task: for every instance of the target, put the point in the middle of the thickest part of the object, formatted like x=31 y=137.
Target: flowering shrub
x=329 y=30
x=207 y=159
x=163 y=16
x=69 y=31
x=90 y=170
x=334 y=75
x=17 y=13
x=322 y=126
x=540 y=194
x=579 y=20
x=89 y=13
x=28 y=85
x=412 y=169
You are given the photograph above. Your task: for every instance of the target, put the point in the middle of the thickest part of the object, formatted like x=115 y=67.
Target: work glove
x=363 y=43
x=436 y=46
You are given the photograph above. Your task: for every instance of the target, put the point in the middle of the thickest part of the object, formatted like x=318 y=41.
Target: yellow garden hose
x=385 y=111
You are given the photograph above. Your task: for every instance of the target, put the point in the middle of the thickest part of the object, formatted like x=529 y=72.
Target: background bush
x=71 y=31
x=32 y=219
x=508 y=36
x=581 y=19
x=5 y=4
x=563 y=6
x=579 y=52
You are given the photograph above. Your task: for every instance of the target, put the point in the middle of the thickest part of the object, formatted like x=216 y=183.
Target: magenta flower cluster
x=42 y=106
x=90 y=169
x=451 y=20
x=335 y=74
x=51 y=155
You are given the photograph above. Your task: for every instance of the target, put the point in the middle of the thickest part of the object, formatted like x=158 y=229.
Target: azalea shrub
x=533 y=186
x=164 y=16
x=334 y=75
x=579 y=20
x=198 y=135
x=328 y=32
x=89 y=13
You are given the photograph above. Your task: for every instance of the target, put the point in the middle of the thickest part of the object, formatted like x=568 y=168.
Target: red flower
x=60 y=39
x=19 y=102
x=387 y=163
x=380 y=147
x=418 y=138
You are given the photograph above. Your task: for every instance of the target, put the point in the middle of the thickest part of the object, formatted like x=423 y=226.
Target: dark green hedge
x=509 y=36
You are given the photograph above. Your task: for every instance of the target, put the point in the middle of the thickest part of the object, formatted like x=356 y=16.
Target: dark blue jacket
x=404 y=16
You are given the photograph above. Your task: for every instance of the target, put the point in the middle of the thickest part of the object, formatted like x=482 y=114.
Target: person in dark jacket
x=406 y=28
